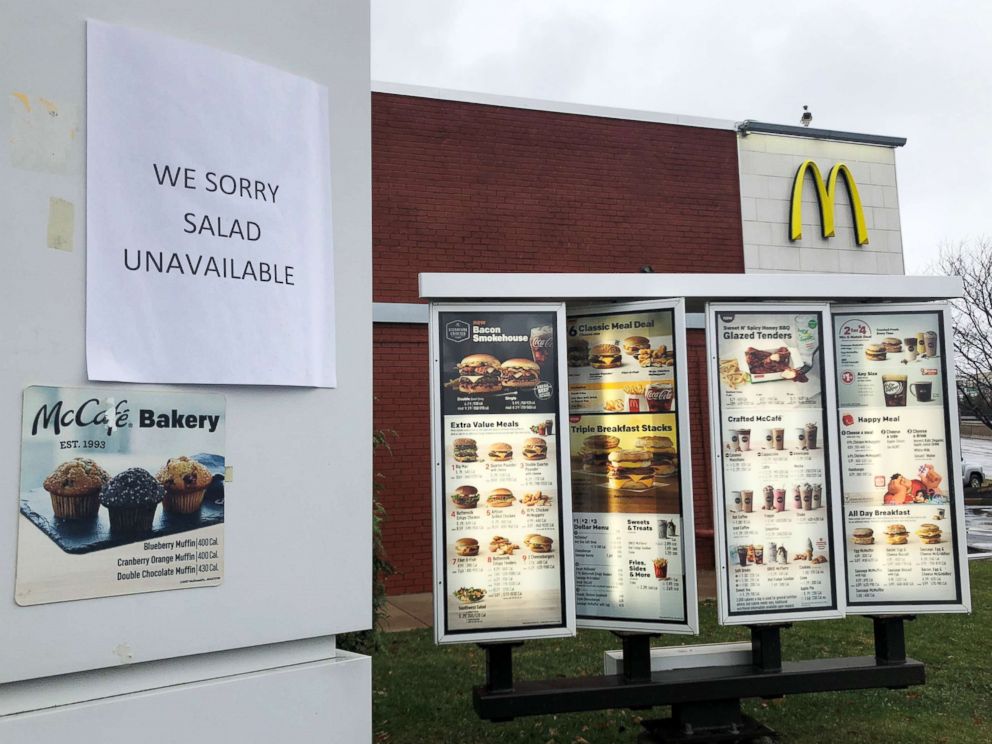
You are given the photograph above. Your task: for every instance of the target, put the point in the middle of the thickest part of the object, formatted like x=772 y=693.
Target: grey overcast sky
x=920 y=70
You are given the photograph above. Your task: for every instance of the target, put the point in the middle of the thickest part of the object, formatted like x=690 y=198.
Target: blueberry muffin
x=75 y=488
x=185 y=482
x=131 y=498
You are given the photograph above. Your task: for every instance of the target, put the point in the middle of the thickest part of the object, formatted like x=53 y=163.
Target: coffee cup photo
x=922 y=391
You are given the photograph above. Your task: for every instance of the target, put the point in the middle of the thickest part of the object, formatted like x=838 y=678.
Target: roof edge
x=761 y=127
x=561 y=107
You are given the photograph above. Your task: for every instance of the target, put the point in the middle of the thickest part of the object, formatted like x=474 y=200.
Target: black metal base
x=542 y=697
x=706 y=701
x=676 y=731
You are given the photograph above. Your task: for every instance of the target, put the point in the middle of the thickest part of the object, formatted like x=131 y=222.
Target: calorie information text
x=900 y=485
x=775 y=462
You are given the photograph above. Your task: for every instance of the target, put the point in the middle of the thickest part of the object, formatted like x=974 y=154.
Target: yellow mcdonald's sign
x=826 y=195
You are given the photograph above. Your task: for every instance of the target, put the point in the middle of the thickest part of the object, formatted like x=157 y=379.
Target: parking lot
x=978 y=509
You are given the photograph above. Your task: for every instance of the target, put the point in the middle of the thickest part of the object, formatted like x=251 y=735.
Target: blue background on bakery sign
x=457 y=331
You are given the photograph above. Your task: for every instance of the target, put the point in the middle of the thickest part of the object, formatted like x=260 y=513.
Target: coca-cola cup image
x=659 y=396
x=542 y=348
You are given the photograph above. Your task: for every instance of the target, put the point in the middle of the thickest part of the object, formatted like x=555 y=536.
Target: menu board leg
x=499 y=665
x=636 y=655
x=766 y=647
x=890 y=638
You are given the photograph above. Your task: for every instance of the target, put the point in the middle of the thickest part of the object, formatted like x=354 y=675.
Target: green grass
x=422 y=693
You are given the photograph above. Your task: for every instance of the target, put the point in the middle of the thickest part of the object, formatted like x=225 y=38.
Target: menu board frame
x=689 y=626
x=832 y=472
x=955 y=503
x=566 y=586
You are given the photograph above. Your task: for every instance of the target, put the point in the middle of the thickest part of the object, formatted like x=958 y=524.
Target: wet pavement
x=978 y=508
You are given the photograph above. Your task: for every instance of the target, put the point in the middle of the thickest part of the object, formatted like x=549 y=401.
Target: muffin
x=131 y=499
x=185 y=482
x=75 y=488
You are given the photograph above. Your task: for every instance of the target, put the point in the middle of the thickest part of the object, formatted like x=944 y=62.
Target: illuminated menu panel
x=630 y=470
x=772 y=421
x=502 y=561
x=902 y=495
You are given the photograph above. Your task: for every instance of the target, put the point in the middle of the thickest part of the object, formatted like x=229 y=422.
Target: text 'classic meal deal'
x=772 y=427
x=121 y=492
x=628 y=469
x=500 y=487
x=901 y=490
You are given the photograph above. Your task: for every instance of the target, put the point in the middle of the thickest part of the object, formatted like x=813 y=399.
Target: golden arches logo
x=826 y=195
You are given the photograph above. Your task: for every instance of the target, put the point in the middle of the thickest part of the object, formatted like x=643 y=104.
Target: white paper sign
x=209 y=246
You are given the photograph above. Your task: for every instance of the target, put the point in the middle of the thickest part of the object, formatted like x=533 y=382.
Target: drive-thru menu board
x=902 y=497
x=631 y=488
x=502 y=560
x=773 y=431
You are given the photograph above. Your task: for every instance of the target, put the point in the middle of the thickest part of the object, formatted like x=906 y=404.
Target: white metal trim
x=698 y=287
x=400 y=312
x=559 y=107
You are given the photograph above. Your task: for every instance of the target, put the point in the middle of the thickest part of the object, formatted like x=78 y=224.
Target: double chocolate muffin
x=131 y=499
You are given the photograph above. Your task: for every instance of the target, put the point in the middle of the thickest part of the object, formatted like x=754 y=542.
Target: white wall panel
x=298 y=531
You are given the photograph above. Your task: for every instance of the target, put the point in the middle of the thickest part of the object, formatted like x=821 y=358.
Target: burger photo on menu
x=466 y=547
x=595 y=452
x=535 y=448
x=500 y=452
x=633 y=345
x=538 y=543
x=466 y=450
x=663 y=453
x=929 y=533
x=500 y=498
x=863 y=536
x=605 y=356
x=520 y=373
x=896 y=534
x=479 y=374
x=465 y=497
x=630 y=469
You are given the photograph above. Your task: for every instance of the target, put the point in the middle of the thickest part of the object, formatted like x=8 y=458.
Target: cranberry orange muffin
x=185 y=482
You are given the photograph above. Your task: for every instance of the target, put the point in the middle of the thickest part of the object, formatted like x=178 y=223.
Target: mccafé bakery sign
x=93 y=412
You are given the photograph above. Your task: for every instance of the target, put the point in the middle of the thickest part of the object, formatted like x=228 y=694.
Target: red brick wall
x=466 y=187
x=404 y=470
